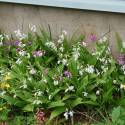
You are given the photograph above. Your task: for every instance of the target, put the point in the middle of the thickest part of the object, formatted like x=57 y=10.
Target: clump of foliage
x=117 y=117
x=49 y=78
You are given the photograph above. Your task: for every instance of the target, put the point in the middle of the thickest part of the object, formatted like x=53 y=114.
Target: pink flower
x=38 y=53
x=67 y=74
x=3 y=123
x=40 y=115
x=92 y=37
x=18 y=49
x=121 y=59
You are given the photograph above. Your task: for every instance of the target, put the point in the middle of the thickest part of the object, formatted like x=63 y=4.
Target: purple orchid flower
x=67 y=74
x=18 y=49
x=16 y=43
x=121 y=59
x=92 y=37
x=29 y=43
x=38 y=53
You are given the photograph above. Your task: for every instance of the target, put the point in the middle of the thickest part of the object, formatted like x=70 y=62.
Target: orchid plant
x=53 y=77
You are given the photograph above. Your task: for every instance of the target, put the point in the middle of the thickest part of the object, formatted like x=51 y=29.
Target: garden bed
x=53 y=81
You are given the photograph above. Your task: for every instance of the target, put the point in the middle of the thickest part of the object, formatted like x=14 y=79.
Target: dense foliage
x=42 y=78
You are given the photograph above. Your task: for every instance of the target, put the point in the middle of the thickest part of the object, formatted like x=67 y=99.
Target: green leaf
x=90 y=103
x=116 y=114
x=68 y=97
x=73 y=67
x=55 y=104
x=82 y=85
x=119 y=42
x=73 y=103
x=121 y=122
x=57 y=111
x=28 y=108
x=87 y=57
x=92 y=97
x=55 y=92
x=13 y=101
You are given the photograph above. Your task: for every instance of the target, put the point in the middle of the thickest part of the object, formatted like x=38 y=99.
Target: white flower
x=58 y=62
x=62 y=37
x=37 y=102
x=51 y=45
x=61 y=49
x=84 y=44
x=23 y=36
x=123 y=67
x=123 y=44
x=44 y=80
x=104 y=39
x=14 y=96
x=109 y=60
x=97 y=92
x=102 y=59
x=98 y=73
x=20 y=35
x=64 y=61
x=2 y=71
x=1 y=43
x=60 y=55
x=29 y=78
x=93 y=54
x=114 y=81
x=81 y=72
x=50 y=96
x=70 y=88
x=7 y=36
x=122 y=86
x=71 y=113
x=109 y=50
x=85 y=94
x=106 y=61
x=60 y=41
x=33 y=28
x=22 y=53
x=27 y=55
x=24 y=86
x=17 y=33
x=66 y=115
x=64 y=32
x=39 y=93
x=90 y=69
x=102 y=67
x=19 y=61
x=1 y=38
x=76 y=55
x=56 y=83
x=105 y=69
x=32 y=71
x=2 y=93
x=21 y=44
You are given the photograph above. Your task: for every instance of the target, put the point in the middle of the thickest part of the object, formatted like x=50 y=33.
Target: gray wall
x=14 y=16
